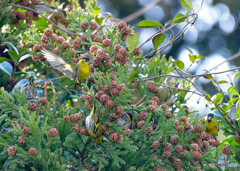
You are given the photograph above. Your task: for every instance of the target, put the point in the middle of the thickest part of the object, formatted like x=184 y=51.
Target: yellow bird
x=78 y=71
x=125 y=120
x=212 y=125
x=94 y=126
x=167 y=95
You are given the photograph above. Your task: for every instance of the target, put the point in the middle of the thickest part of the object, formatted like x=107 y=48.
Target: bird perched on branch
x=125 y=120
x=167 y=94
x=212 y=125
x=78 y=71
x=30 y=89
x=94 y=126
x=42 y=7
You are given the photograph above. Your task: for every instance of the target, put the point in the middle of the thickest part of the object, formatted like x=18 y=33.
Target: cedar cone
x=192 y=130
x=183 y=118
x=151 y=108
x=140 y=124
x=194 y=146
x=32 y=151
x=11 y=150
x=149 y=130
x=84 y=25
x=142 y=116
x=105 y=87
x=114 y=137
x=75 y=127
x=160 y=139
x=110 y=104
x=121 y=86
x=78 y=116
x=151 y=87
x=21 y=140
x=198 y=128
x=168 y=115
x=179 y=148
x=104 y=128
x=180 y=128
x=113 y=84
x=106 y=42
x=164 y=107
x=43 y=100
x=112 y=117
x=89 y=97
x=206 y=144
x=174 y=139
x=152 y=102
x=127 y=131
x=82 y=131
x=33 y=106
x=115 y=92
x=176 y=122
x=25 y=131
x=48 y=32
x=104 y=98
x=60 y=39
x=207 y=136
x=156 y=144
x=196 y=154
x=86 y=165
x=225 y=150
x=215 y=143
x=187 y=125
x=202 y=135
x=119 y=109
x=177 y=163
x=167 y=146
x=121 y=25
x=74 y=118
x=158 y=90
x=66 y=118
x=53 y=132
x=157 y=169
x=167 y=154
x=237 y=137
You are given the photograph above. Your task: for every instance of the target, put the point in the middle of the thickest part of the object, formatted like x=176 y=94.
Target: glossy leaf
x=132 y=75
x=24 y=57
x=208 y=77
x=4 y=59
x=179 y=64
x=13 y=55
x=158 y=40
x=132 y=41
x=22 y=51
x=200 y=57
x=222 y=82
x=14 y=47
x=6 y=67
x=149 y=24
x=99 y=20
x=218 y=98
x=187 y=4
x=233 y=90
x=236 y=75
x=192 y=57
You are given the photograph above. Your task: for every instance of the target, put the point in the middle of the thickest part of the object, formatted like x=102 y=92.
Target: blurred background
x=215 y=35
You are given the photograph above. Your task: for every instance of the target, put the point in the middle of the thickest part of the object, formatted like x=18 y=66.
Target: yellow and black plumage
x=42 y=7
x=94 y=126
x=125 y=120
x=30 y=89
x=78 y=71
x=167 y=95
x=212 y=125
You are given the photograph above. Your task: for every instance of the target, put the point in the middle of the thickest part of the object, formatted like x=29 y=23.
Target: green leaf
x=6 y=67
x=226 y=107
x=192 y=57
x=150 y=50
x=132 y=41
x=22 y=51
x=96 y=11
x=179 y=64
x=158 y=40
x=4 y=59
x=99 y=20
x=13 y=55
x=222 y=82
x=14 y=47
x=208 y=95
x=208 y=77
x=218 y=98
x=149 y=24
x=177 y=17
x=132 y=75
x=233 y=90
x=29 y=72
x=189 y=50
x=200 y=57
x=187 y=4
x=228 y=140
x=236 y=75
x=24 y=57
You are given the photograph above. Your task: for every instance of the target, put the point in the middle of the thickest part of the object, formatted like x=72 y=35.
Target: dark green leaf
x=179 y=64
x=187 y=4
x=24 y=57
x=13 y=55
x=132 y=41
x=22 y=51
x=228 y=140
x=4 y=59
x=158 y=40
x=148 y=24
x=14 y=47
x=132 y=75
x=150 y=50
x=6 y=67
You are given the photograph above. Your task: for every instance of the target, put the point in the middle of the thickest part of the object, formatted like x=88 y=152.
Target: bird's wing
x=63 y=65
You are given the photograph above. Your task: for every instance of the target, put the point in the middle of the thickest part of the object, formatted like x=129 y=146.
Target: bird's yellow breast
x=83 y=71
x=212 y=128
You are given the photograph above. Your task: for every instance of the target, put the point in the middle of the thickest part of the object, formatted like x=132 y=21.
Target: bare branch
x=140 y=100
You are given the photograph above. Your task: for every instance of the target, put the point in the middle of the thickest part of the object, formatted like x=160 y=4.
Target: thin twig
x=140 y=101
x=140 y=11
x=30 y=9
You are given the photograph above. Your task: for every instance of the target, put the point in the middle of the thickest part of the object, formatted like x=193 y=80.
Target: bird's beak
x=209 y=119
